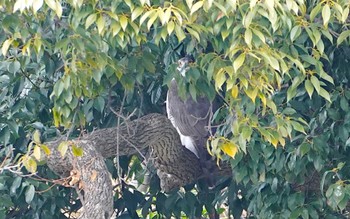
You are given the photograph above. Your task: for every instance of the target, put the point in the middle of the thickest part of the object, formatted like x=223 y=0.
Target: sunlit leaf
x=316 y=83
x=309 y=88
x=123 y=22
x=229 y=148
x=46 y=149
x=343 y=36
x=63 y=147
x=30 y=164
x=238 y=62
x=196 y=6
x=170 y=27
x=37 y=152
x=325 y=94
x=5 y=46
x=90 y=20
x=77 y=151
x=36 y=136
x=37 y=4
x=234 y=91
x=100 y=24
x=248 y=37
x=326 y=14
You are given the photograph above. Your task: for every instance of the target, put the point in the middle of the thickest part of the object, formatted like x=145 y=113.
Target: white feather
x=186 y=141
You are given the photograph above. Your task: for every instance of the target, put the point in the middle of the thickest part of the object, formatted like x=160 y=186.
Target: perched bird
x=191 y=117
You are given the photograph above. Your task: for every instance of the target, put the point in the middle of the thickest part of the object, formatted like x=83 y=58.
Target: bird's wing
x=189 y=116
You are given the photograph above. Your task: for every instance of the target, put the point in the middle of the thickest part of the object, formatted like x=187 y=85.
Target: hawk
x=190 y=117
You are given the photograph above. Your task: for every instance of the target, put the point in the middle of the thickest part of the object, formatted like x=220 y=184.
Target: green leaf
x=220 y=79
x=295 y=32
x=248 y=37
x=304 y=148
x=316 y=83
x=309 y=88
x=77 y=151
x=100 y=24
x=238 y=62
x=151 y=20
x=298 y=127
x=15 y=185
x=326 y=14
x=136 y=13
x=343 y=36
x=247 y=131
x=29 y=194
x=325 y=94
x=90 y=20
x=315 y=11
x=344 y=104
x=193 y=33
x=180 y=34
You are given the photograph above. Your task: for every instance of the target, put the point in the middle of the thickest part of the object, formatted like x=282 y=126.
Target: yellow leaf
x=36 y=136
x=51 y=4
x=252 y=93
x=274 y=142
x=37 y=152
x=234 y=91
x=170 y=27
x=282 y=141
x=123 y=22
x=37 y=4
x=196 y=6
x=136 y=13
x=30 y=164
x=5 y=46
x=326 y=14
x=239 y=62
x=58 y=9
x=62 y=148
x=229 y=148
x=90 y=20
x=152 y=19
x=220 y=79
x=167 y=15
x=100 y=24
x=248 y=35
x=46 y=149
x=77 y=151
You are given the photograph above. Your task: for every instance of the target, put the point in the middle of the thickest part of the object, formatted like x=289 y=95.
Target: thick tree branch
x=176 y=166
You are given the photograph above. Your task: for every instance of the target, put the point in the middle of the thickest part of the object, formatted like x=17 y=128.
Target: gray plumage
x=191 y=118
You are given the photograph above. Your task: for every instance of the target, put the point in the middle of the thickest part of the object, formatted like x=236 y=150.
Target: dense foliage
x=282 y=67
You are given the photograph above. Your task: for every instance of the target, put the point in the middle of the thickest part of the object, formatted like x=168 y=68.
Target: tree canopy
x=71 y=67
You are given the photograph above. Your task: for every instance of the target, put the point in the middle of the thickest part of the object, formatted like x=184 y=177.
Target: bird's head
x=183 y=64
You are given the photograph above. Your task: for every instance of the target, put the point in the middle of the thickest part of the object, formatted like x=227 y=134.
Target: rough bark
x=176 y=166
